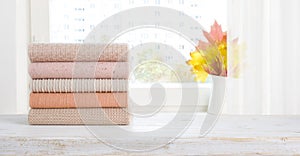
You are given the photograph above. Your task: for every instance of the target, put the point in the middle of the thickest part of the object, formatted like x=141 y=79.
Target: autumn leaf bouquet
x=210 y=57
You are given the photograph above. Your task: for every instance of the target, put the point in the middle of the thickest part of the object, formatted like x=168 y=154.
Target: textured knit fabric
x=79 y=70
x=77 y=100
x=49 y=52
x=88 y=116
x=78 y=85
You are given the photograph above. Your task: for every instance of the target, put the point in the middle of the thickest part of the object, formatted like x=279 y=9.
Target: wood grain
x=233 y=135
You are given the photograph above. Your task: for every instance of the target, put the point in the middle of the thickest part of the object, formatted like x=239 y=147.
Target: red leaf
x=216 y=32
x=208 y=37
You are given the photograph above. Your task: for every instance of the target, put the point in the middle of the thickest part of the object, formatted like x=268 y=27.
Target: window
x=93 y=12
x=80 y=17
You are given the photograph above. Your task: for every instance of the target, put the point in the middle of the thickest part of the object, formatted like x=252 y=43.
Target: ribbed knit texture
x=78 y=85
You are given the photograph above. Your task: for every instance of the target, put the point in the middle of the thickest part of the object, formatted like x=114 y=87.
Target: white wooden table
x=247 y=135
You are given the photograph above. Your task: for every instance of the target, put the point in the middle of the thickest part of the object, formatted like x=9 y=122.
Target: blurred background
x=269 y=29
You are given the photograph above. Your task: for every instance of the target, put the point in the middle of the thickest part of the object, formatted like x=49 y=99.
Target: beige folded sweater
x=83 y=116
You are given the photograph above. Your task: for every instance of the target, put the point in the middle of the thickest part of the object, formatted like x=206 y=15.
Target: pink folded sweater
x=70 y=52
x=79 y=70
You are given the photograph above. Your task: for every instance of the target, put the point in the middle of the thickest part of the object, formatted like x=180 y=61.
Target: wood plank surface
x=232 y=135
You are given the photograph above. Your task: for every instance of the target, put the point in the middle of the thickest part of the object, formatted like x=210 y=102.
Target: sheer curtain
x=271 y=72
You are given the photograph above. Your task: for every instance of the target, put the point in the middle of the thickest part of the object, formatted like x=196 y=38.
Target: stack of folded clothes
x=78 y=84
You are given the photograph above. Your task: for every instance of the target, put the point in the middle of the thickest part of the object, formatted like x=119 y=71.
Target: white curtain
x=270 y=77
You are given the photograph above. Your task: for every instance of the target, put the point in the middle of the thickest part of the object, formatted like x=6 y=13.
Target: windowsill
x=172 y=85
x=233 y=135
x=173 y=98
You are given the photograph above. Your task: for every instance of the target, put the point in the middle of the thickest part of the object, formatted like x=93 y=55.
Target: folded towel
x=89 y=116
x=79 y=70
x=78 y=85
x=49 y=52
x=77 y=100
